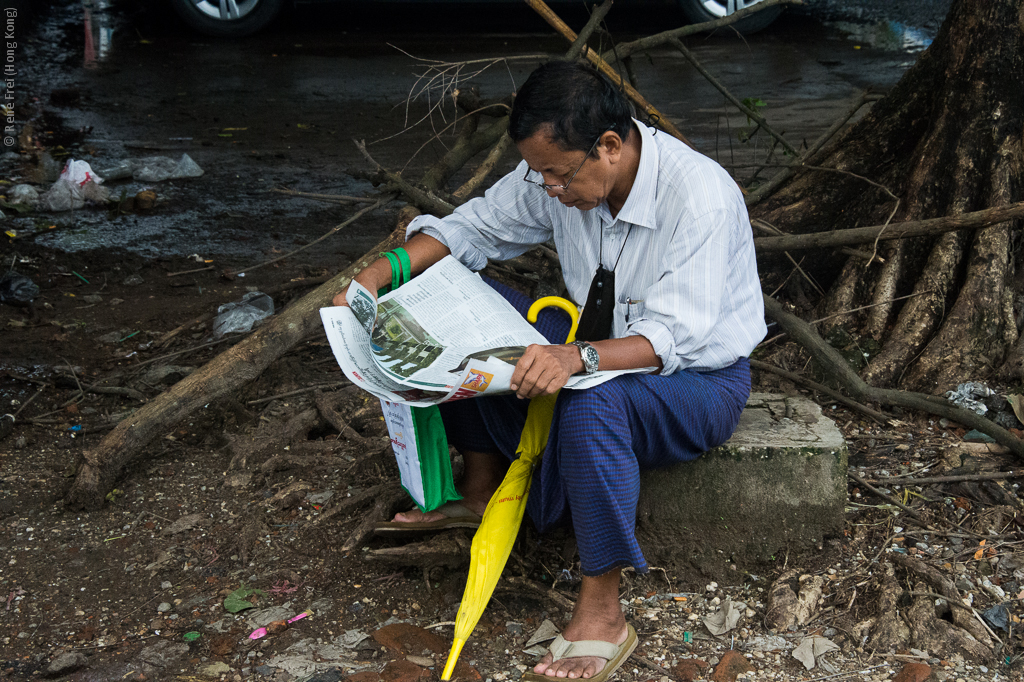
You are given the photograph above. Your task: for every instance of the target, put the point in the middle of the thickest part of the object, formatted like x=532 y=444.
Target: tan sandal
x=455 y=516
x=562 y=648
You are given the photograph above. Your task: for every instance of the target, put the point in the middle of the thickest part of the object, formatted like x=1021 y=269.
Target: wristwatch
x=589 y=356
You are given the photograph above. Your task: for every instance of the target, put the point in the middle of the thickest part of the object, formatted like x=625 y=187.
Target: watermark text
x=10 y=72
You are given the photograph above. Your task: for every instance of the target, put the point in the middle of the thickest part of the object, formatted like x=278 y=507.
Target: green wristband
x=403 y=258
x=396 y=269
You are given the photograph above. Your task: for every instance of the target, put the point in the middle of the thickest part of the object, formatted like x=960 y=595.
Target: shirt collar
x=639 y=208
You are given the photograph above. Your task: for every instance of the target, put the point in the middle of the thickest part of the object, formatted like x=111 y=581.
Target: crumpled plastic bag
x=23 y=195
x=545 y=633
x=76 y=185
x=968 y=396
x=17 y=289
x=153 y=169
x=240 y=316
x=811 y=648
x=725 y=618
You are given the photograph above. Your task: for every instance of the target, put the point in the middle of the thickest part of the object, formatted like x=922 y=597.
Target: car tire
x=699 y=11
x=253 y=16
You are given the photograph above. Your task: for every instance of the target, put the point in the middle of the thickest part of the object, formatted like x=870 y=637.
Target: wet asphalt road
x=281 y=109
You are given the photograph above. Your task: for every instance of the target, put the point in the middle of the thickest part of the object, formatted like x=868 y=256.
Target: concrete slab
x=779 y=484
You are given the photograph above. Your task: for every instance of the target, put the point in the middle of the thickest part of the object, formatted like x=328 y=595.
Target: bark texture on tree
x=946 y=140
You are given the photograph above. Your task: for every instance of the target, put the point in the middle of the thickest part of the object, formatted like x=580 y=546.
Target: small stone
x=93 y=298
x=145 y=200
x=730 y=667
x=913 y=672
x=421 y=661
x=690 y=669
x=410 y=639
x=165 y=585
x=65 y=663
x=215 y=670
x=402 y=671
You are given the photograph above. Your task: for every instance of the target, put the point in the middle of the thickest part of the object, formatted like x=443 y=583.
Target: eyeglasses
x=561 y=189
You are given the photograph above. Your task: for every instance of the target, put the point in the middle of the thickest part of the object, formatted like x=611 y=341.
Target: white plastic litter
x=240 y=316
x=26 y=195
x=152 y=169
x=160 y=168
x=969 y=395
x=725 y=618
x=76 y=185
x=811 y=648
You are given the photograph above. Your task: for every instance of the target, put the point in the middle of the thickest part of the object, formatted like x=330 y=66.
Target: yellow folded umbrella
x=497 y=532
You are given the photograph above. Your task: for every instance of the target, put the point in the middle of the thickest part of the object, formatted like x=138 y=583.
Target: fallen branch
x=834 y=365
x=555 y=22
x=300 y=391
x=595 y=20
x=386 y=501
x=554 y=595
x=815 y=386
x=330 y=198
x=350 y=503
x=975 y=220
x=334 y=230
x=791 y=168
x=484 y=169
x=928 y=480
x=889 y=498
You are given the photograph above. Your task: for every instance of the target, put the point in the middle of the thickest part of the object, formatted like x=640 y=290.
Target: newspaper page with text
x=444 y=335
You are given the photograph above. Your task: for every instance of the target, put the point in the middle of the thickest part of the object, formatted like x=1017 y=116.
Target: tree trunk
x=945 y=140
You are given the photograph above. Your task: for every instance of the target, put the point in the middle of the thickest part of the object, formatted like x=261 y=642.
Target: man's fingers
x=523 y=367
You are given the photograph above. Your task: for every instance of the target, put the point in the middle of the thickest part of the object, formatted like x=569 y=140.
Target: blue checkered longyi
x=601 y=438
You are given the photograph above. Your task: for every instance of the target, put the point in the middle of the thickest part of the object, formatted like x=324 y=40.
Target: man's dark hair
x=575 y=99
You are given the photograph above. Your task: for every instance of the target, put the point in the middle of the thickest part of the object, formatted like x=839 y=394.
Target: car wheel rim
x=722 y=8
x=228 y=10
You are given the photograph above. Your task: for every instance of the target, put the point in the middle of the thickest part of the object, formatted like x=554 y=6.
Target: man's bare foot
x=483 y=474
x=416 y=516
x=597 y=616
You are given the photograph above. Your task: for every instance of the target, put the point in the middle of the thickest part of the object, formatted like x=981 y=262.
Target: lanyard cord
x=600 y=248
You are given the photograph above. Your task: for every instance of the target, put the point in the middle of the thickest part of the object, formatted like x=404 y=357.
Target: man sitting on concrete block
x=655 y=239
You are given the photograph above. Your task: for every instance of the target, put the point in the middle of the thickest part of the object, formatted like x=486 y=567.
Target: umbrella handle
x=558 y=302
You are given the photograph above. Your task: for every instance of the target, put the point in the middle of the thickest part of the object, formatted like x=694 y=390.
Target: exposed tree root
x=835 y=367
x=910 y=618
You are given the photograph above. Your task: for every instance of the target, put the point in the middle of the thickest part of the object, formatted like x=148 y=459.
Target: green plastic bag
x=421 y=451
x=417 y=433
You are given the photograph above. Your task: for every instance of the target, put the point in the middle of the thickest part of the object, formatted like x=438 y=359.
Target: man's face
x=552 y=165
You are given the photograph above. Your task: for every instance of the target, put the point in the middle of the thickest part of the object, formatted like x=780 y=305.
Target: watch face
x=590 y=357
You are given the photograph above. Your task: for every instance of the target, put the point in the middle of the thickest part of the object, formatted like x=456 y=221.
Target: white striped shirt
x=687 y=278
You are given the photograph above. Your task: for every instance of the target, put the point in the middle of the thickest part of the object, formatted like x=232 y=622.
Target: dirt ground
x=259 y=492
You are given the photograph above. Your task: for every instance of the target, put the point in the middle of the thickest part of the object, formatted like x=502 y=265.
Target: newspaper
x=445 y=335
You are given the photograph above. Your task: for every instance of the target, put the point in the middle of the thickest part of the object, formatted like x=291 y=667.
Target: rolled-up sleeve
x=507 y=221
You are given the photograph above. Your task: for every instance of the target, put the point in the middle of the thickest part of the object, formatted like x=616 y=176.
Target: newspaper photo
x=445 y=335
